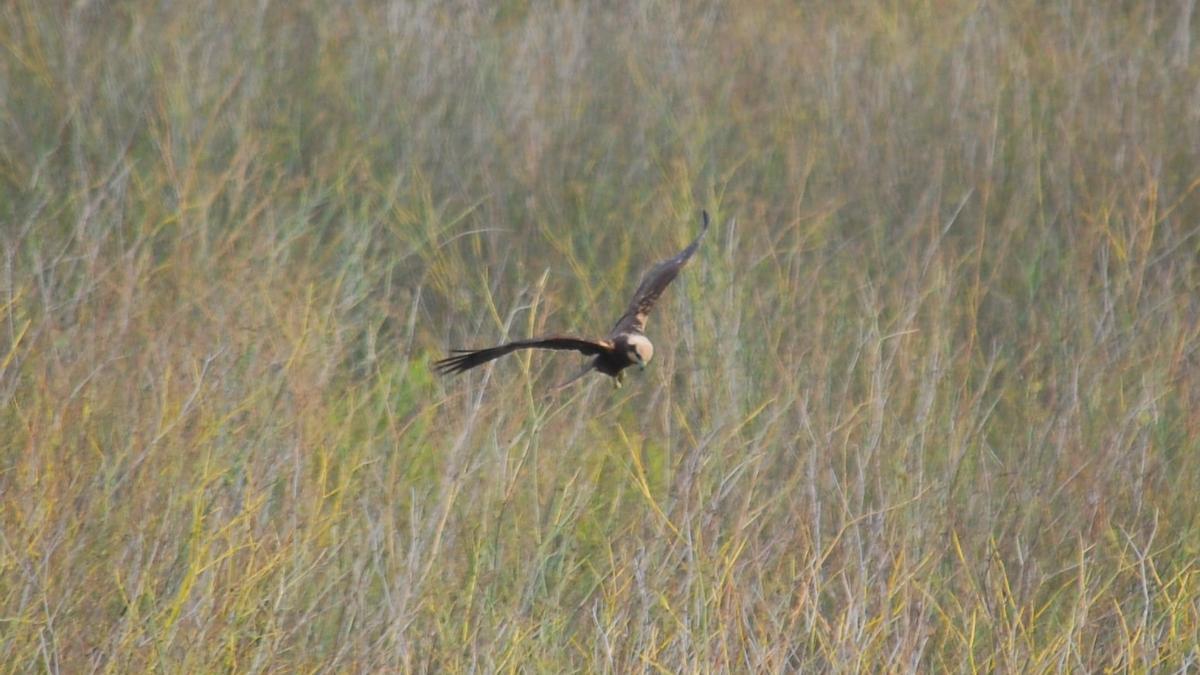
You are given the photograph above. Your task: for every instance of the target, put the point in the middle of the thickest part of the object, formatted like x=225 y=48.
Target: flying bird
x=625 y=345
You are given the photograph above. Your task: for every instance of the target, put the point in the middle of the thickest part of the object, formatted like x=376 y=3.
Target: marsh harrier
x=626 y=344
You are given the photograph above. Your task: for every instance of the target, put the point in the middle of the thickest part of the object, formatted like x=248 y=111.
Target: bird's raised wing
x=466 y=359
x=654 y=283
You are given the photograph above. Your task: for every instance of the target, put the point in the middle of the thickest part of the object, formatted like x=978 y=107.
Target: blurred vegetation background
x=928 y=398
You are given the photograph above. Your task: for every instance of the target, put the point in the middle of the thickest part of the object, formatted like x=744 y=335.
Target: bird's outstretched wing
x=466 y=359
x=653 y=284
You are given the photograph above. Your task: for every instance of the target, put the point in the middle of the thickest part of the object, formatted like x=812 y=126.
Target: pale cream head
x=640 y=349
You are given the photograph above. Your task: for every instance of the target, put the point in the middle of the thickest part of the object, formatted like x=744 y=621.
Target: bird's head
x=640 y=350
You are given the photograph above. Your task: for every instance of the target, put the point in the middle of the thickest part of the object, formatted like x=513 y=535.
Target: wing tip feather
x=453 y=365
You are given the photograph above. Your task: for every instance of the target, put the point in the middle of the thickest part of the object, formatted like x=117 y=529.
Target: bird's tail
x=586 y=369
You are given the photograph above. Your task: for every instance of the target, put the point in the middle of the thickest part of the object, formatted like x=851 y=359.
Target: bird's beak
x=641 y=365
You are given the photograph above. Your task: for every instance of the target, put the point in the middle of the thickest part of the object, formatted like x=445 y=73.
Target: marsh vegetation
x=928 y=398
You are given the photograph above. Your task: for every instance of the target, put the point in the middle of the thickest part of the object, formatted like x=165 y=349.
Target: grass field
x=927 y=399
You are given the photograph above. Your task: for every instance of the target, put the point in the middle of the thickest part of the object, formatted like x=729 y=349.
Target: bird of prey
x=626 y=344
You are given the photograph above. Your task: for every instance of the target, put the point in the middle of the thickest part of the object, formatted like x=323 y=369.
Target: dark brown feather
x=653 y=284
x=466 y=359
